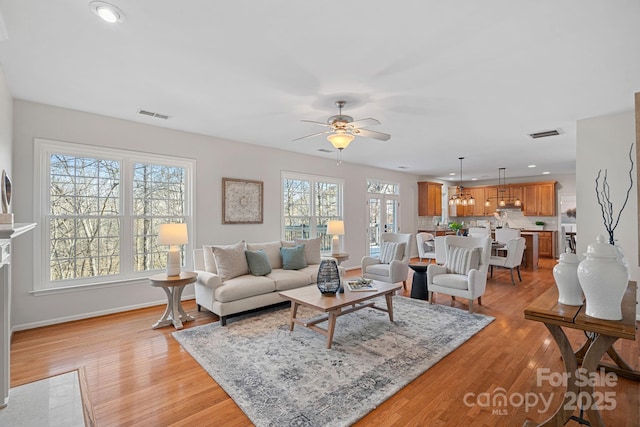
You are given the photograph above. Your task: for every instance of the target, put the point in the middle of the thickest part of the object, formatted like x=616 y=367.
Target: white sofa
x=225 y=296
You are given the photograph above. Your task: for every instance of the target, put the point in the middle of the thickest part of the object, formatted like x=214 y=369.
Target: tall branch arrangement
x=603 y=193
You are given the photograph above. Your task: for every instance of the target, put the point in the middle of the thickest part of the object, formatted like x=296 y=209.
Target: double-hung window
x=100 y=211
x=309 y=203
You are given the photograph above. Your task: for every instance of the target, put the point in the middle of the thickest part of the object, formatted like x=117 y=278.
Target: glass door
x=383 y=218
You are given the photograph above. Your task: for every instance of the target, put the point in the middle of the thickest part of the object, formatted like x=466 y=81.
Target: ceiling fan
x=343 y=129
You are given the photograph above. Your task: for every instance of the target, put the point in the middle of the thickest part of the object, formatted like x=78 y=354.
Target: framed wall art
x=242 y=201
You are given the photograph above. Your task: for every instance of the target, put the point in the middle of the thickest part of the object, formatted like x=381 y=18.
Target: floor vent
x=545 y=133
x=152 y=114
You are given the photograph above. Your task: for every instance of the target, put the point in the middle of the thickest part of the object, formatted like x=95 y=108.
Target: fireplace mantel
x=7 y=233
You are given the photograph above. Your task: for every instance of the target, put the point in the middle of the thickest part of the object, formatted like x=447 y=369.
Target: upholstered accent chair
x=464 y=273
x=513 y=259
x=393 y=264
x=426 y=246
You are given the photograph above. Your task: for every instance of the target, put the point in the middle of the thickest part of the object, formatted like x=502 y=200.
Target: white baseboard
x=82 y=316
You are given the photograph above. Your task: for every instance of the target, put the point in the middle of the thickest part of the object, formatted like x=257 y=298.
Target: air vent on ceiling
x=152 y=114
x=324 y=150
x=546 y=133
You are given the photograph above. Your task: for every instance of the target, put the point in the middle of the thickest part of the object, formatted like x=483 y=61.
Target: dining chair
x=513 y=259
x=426 y=248
x=478 y=232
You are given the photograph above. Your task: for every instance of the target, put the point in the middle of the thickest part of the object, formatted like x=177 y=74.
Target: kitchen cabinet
x=547 y=244
x=429 y=199
x=539 y=199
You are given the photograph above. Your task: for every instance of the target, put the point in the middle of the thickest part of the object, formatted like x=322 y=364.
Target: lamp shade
x=173 y=234
x=340 y=140
x=335 y=228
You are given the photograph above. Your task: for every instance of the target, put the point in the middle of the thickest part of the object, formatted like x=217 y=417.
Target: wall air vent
x=152 y=114
x=546 y=133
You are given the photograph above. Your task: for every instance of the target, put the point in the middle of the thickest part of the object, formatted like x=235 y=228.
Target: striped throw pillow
x=461 y=260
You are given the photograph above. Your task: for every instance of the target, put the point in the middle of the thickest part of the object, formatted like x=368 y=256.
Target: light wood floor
x=139 y=376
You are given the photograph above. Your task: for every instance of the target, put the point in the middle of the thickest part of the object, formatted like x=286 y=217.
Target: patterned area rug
x=280 y=378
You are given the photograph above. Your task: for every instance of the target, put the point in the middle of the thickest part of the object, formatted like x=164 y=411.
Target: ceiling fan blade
x=363 y=123
x=312 y=135
x=372 y=134
x=316 y=123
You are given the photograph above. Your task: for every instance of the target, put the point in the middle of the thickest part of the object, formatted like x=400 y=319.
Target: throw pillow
x=388 y=252
x=209 y=260
x=293 y=258
x=230 y=260
x=461 y=260
x=311 y=249
x=258 y=262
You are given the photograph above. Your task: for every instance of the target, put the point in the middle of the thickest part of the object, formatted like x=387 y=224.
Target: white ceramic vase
x=566 y=275
x=604 y=279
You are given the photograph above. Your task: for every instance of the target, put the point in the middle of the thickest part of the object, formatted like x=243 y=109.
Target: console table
x=603 y=333
x=7 y=233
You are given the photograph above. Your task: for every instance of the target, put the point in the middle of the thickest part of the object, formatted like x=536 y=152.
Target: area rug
x=282 y=378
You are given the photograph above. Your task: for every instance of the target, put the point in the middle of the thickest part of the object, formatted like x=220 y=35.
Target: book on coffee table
x=361 y=285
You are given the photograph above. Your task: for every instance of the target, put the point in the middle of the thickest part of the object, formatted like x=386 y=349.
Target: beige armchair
x=464 y=273
x=429 y=252
x=515 y=251
x=393 y=264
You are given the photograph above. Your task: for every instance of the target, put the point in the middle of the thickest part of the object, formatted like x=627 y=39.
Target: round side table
x=419 y=285
x=173 y=287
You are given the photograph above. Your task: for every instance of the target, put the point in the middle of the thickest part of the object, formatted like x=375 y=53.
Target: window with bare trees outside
x=309 y=203
x=101 y=210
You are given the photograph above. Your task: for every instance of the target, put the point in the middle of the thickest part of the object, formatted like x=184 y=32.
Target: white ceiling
x=446 y=78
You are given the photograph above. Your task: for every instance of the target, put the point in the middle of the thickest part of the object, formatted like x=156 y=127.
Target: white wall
x=215 y=158
x=603 y=143
x=6 y=126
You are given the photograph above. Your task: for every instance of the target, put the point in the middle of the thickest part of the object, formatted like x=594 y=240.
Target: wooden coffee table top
x=310 y=296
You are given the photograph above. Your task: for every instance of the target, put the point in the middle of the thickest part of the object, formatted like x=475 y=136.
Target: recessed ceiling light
x=531 y=166
x=107 y=12
x=452 y=173
x=546 y=173
x=474 y=179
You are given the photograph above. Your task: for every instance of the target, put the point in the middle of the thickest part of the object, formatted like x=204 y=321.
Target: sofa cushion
x=289 y=279
x=378 y=270
x=258 y=262
x=461 y=260
x=272 y=249
x=311 y=249
x=244 y=287
x=293 y=258
x=454 y=281
x=230 y=260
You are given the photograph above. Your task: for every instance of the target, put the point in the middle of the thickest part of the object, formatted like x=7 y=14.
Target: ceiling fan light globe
x=340 y=140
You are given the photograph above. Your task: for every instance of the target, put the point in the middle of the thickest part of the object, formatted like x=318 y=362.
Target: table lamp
x=173 y=235
x=335 y=229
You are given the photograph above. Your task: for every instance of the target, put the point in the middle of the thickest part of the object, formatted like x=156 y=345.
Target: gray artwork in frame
x=242 y=201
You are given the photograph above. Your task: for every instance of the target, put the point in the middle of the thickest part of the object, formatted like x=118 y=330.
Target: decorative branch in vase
x=603 y=194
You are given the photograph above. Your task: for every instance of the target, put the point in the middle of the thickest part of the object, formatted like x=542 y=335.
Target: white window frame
x=313 y=178
x=43 y=149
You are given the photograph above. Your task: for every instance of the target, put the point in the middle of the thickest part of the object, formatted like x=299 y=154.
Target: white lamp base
x=6 y=218
x=173 y=263
x=335 y=245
